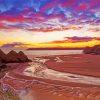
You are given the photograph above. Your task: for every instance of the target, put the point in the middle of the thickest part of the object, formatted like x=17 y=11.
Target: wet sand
x=39 y=70
x=40 y=90
x=37 y=88
x=84 y=64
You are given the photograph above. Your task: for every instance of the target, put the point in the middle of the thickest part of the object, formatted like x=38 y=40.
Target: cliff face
x=2 y=56
x=22 y=57
x=13 y=56
x=92 y=50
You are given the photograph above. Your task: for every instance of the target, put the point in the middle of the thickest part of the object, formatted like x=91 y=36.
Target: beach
x=84 y=64
x=56 y=77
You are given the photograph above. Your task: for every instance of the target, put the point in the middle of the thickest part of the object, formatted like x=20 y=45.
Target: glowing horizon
x=49 y=23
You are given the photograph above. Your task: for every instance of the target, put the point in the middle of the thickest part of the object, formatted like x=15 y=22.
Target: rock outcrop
x=2 y=56
x=22 y=57
x=13 y=57
x=92 y=50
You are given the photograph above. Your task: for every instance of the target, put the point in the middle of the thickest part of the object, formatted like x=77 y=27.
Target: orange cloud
x=59 y=44
x=75 y=39
x=70 y=44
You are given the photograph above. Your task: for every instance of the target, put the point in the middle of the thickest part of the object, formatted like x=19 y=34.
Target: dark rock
x=88 y=50
x=92 y=50
x=4 y=67
x=96 y=49
x=12 y=57
x=22 y=57
x=2 y=56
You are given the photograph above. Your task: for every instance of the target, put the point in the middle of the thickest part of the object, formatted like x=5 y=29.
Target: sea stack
x=22 y=57
x=12 y=57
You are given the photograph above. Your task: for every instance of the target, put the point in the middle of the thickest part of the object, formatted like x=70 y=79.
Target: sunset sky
x=49 y=23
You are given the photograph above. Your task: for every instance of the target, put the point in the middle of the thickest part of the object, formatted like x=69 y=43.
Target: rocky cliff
x=13 y=56
x=2 y=56
x=92 y=50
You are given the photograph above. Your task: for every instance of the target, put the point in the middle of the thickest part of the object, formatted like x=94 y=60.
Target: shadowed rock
x=92 y=50
x=96 y=49
x=88 y=50
x=4 y=67
x=22 y=57
x=2 y=56
x=12 y=57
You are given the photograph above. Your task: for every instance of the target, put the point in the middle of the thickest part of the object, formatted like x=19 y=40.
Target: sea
x=44 y=52
x=52 y=52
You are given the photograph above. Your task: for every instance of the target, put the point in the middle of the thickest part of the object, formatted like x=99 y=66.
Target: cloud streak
x=33 y=14
x=25 y=23
x=13 y=45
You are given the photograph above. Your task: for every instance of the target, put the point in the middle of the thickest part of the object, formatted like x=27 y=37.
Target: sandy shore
x=47 y=88
x=39 y=70
x=37 y=89
x=78 y=63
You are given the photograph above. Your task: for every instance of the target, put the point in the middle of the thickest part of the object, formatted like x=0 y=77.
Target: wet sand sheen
x=49 y=92
x=41 y=84
x=41 y=71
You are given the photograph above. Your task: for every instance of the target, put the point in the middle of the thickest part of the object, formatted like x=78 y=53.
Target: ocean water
x=52 y=52
x=44 y=52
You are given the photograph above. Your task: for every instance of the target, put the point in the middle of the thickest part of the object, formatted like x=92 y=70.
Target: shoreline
x=83 y=64
x=41 y=86
x=66 y=71
x=18 y=75
x=39 y=70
